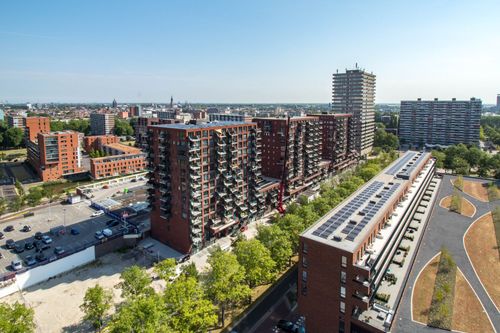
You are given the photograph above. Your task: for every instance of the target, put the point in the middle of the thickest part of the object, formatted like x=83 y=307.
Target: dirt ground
x=468 y=313
x=476 y=190
x=481 y=245
x=422 y=291
x=56 y=302
x=468 y=208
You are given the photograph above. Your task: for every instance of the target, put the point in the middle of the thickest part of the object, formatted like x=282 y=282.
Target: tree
x=165 y=269
x=440 y=157
x=136 y=282
x=141 y=314
x=34 y=196
x=96 y=304
x=187 y=308
x=190 y=270
x=460 y=166
x=292 y=225
x=3 y=205
x=13 y=137
x=16 y=204
x=456 y=202
x=386 y=141
x=225 y=281
x=16 y=318
x=123 y=128
x=474 y=156
x=278 y=243
x=257 y=262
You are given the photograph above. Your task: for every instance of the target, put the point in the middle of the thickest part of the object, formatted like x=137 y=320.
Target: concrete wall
x=44 y=272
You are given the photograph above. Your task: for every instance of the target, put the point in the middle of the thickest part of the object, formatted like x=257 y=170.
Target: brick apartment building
x=35 y=125
x=438 y=122
x=96 y=142
x=141 y=128
x=205 y=181
x=135 y=111
x=229 y=117
x=120 y=159
x=304 y=166
x=344 y=257
x=55 y=154
x=338 y=140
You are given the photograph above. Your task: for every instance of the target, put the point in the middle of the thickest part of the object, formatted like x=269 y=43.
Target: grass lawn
x=468 y=208
x=481 y=245
x=468 y=313
x=422 y=291
x=476 y=189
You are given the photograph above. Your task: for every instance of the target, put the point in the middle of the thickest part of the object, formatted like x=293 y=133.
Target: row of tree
x=465 y=160
x=490 y=129
x=97 y=153
x=384 y=140
x=33 y=197
x=79 y=125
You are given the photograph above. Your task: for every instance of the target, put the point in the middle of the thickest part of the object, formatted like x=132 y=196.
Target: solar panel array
x=396 y=167
x=330 y=225
x=370 y=211
x=409 y=168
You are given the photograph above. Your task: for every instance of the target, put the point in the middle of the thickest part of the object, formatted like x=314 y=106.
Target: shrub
x=441 y=310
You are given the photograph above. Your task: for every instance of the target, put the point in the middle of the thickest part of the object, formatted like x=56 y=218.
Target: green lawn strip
x=493 y=192
x=495 y=214
x=441 y=310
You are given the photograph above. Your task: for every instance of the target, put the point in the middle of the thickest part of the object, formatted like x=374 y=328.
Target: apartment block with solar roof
x=347 y=256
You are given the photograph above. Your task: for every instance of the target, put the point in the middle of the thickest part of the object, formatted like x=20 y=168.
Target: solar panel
x=404 y=160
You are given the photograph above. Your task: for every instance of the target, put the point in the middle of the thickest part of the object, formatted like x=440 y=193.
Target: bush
x=441 y=310
x=456 y=202
x=382 y=297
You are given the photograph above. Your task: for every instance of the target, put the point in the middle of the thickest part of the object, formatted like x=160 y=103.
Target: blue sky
x=245 y=51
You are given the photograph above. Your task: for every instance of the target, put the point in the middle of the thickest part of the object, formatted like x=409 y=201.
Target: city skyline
x=225 y=52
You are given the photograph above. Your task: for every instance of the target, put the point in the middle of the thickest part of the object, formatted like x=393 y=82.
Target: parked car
x=98 y=213
x=46 y=239
x=10 y=244
x=19 y=248
x=107 y=232
x=58 y=250
x=287 y=326
x=26 y=228
x=41 y=257
x=29 y=245
x=184 y=258
x=75 y=231
x=8 y=228
x=28 y=214
x=42 y=247
x=112 y=223
x=38 y=235
x=2 y=236
x=16 y=264
x=99 y=235
x=29 y=261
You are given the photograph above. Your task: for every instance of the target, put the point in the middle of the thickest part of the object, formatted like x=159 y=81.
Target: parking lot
x=56 y=221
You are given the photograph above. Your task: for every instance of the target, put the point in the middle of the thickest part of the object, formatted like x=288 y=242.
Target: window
x=304 y=247
x=343 y=276
x=344 y=261
x=304 y=276
x=342 y=307
x=342 y=292
x=304 y=262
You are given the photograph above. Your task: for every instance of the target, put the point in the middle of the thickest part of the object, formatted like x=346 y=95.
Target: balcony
x=194 y=158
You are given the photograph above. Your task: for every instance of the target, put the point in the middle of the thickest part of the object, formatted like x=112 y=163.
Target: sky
x=270 y=51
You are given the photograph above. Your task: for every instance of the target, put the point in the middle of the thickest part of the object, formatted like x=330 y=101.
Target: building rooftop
x=124 y=148
x=285 y=118
x=214 y=124
x=346 y=225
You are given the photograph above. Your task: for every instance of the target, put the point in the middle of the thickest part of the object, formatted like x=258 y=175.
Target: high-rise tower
x=354 y=92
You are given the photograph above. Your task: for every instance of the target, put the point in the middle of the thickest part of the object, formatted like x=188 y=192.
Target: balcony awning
x=216 y=229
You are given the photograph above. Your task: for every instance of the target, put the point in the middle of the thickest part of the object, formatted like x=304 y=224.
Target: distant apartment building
x=96 y=142
x=135 y=111
x=15 y=121
x=35 y=125
x=102 y=123
x=354 y=92
x=129 y=161
x=204 y=181
x=498 y=103
x=55 y=154
x=141 y=128
x=338 y=140
x=365 y=247
x=442 y=123
x=166 y=114
x=122 y=115
x=229 y=117
x=304 y=166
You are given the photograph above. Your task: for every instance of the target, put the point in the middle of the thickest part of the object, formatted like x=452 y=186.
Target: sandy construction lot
x=56 y=302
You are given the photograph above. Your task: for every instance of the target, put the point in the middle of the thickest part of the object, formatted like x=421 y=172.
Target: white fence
x=44 y=272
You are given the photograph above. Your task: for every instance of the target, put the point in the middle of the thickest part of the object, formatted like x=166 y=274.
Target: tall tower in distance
x=171 y=102
x=114 y=105
x=354 y=92
x=498 y=103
